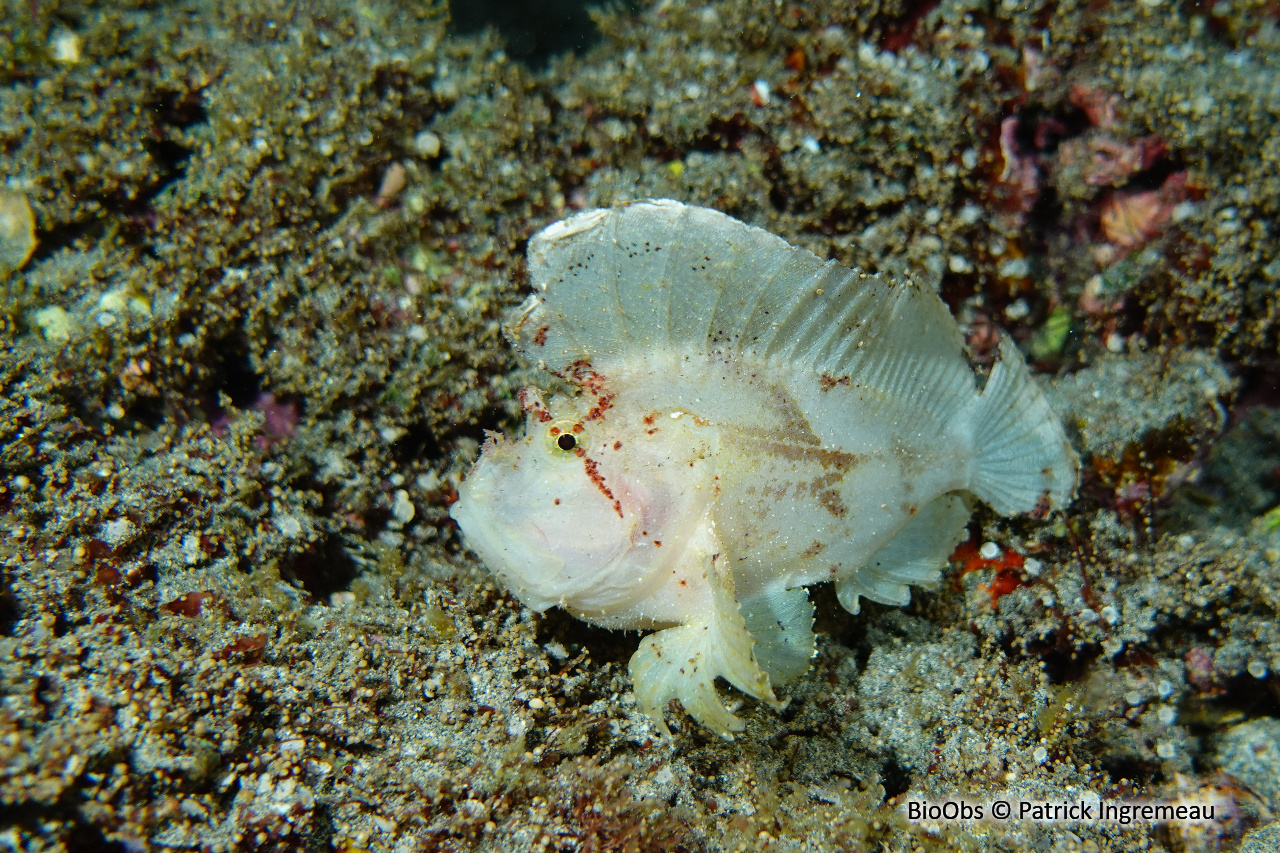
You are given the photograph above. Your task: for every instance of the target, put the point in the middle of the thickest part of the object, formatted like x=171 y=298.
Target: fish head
x=540 y=514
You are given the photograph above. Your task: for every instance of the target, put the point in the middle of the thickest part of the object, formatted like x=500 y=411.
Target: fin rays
x=660 y=274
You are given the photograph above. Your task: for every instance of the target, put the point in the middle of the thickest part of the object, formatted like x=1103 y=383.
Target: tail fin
x=1024 y=462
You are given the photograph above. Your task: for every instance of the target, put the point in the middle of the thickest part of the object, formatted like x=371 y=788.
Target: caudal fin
x=1024 y=462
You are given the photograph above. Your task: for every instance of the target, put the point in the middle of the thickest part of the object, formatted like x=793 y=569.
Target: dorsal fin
x=660 y=273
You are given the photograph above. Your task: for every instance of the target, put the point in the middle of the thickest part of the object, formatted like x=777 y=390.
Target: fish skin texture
x=745 y=420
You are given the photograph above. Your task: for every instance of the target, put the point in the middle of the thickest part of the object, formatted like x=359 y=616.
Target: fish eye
x=566 y=436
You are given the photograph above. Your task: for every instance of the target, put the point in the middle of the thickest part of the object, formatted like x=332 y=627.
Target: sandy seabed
x=255 y=257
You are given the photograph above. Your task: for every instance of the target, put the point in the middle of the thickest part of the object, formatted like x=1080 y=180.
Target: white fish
x=744 y=420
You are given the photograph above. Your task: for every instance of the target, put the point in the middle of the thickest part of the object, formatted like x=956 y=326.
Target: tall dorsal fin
x=661 y=274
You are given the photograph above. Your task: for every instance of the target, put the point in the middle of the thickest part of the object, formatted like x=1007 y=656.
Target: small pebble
x=1017 y=309
x=403 y=508
x=65 y=47
x=393 y=181
x=427 y=144
x=17 y=230
x=1015 y=268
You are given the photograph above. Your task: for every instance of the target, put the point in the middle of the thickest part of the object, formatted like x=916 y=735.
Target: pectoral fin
x=781 y=621
x=915 y=556
x=682 y=663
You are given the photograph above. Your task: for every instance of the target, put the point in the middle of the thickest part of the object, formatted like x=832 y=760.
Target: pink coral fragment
x=1099 y=106
x=1132 y=219
x=1113 y=162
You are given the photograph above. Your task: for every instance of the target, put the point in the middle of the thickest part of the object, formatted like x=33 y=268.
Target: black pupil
x=566 y=441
